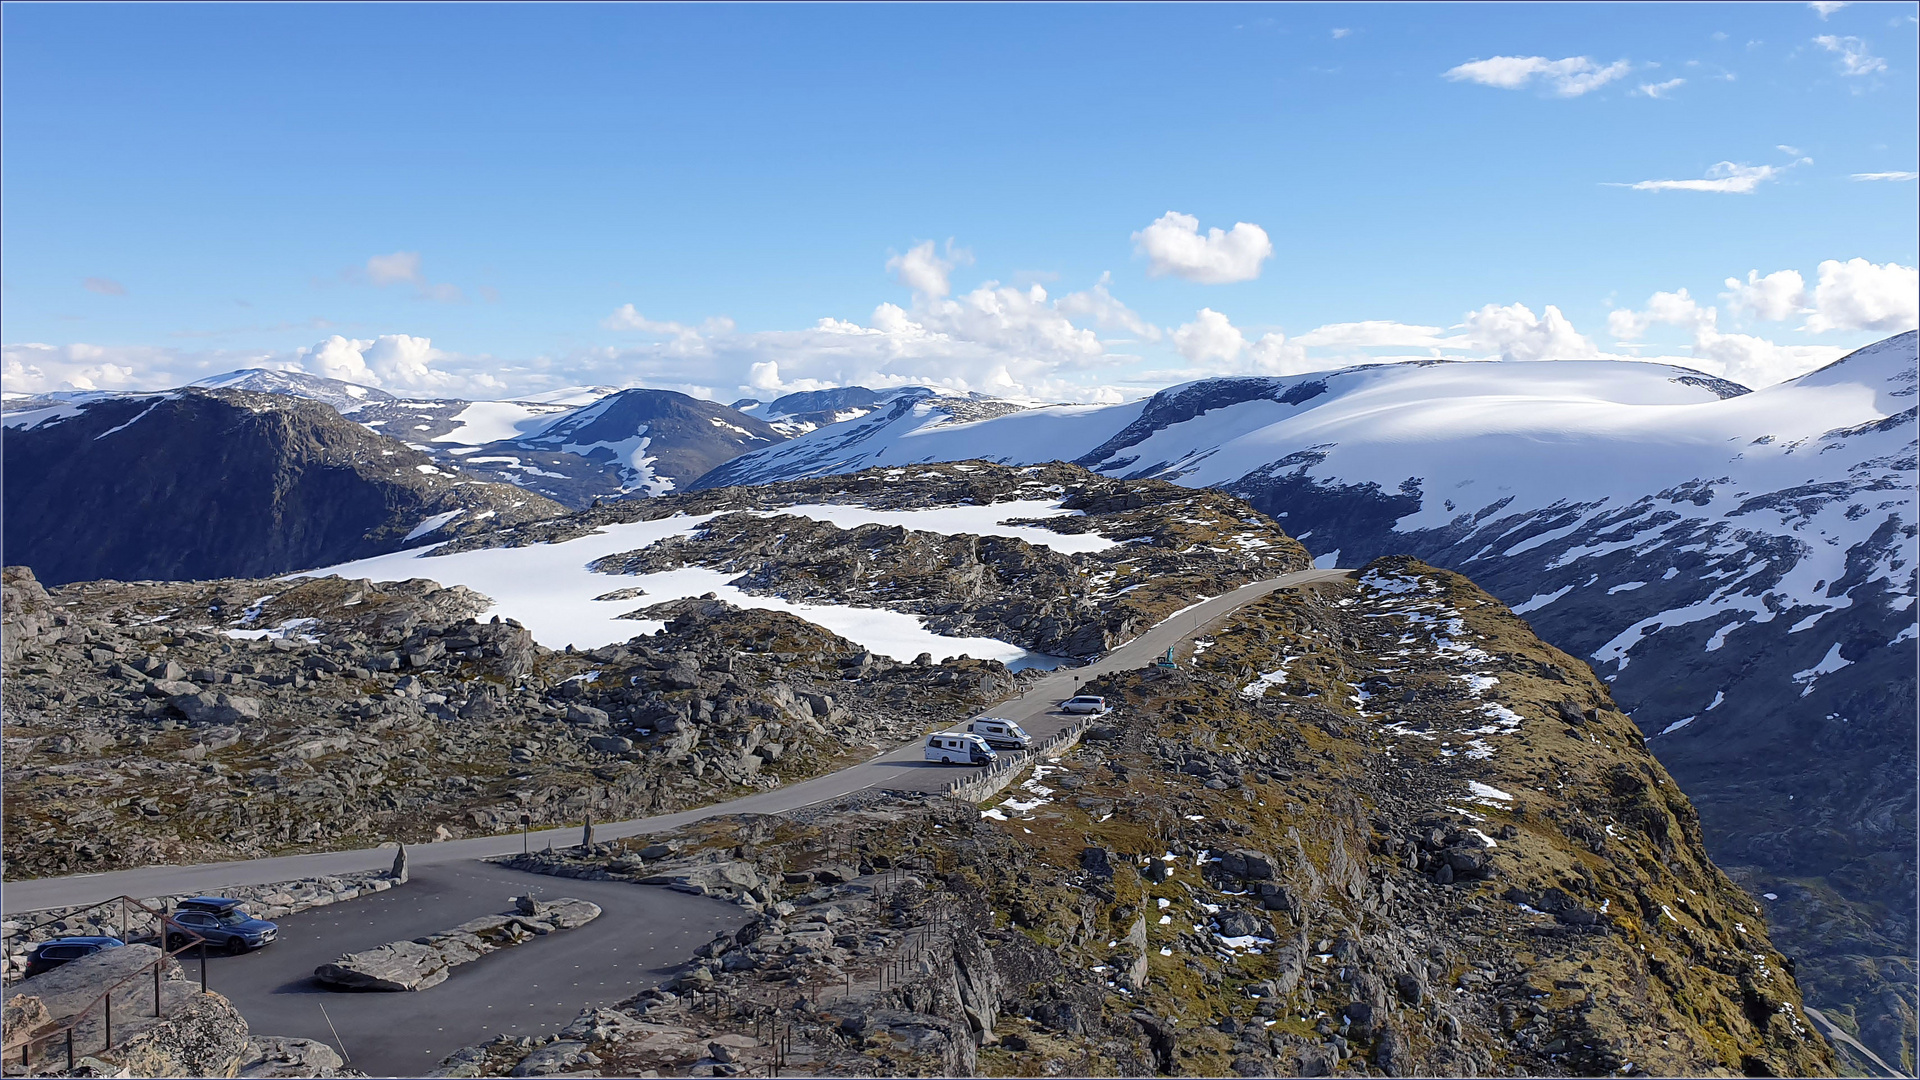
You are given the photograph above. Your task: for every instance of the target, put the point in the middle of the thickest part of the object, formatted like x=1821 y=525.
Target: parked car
x=1085 y=703
x=224 y=923
x=958 y=747
x=1001 y=734
x=62 y=950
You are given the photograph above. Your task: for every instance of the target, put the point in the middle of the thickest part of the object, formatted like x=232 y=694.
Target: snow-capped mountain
x=343 y=396
x=810 y=410
x=1739 y=565
x=652 y=441
x=206 y=483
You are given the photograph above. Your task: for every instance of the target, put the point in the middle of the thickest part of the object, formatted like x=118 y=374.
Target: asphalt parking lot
x=642 y=933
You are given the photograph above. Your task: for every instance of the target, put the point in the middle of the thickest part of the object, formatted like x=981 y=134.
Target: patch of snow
x=432 y=524
x=986 y=520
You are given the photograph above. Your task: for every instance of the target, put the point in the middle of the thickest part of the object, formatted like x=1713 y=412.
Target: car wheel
x=235 y=946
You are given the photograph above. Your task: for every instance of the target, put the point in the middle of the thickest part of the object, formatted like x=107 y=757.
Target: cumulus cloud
x=1826 y=7
x=1726 y=178
x=1209 y=339
x=1514 y=332
x=1859 y=295
x=923 y=270
x=1896 y=177
x=1773 y=298
x=1666 y=308
x=1569 y=77
x=104 y=286
x=1174 y=246
x=1099 y=305
x=1661 y=89
x=1854 y=57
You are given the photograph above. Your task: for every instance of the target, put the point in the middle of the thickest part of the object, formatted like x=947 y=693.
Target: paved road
x=901 y=769
x=531 y=989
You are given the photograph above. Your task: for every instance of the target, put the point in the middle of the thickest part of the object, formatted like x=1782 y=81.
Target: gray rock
x=212 y=708
x=551 y=1058
x=587 y=716
x=272 y=1057
x=610 y=744
x=402 y=965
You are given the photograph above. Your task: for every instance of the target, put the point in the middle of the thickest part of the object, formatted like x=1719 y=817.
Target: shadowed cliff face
x=218 y=483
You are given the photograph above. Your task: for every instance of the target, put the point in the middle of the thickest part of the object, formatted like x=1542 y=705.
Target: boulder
x=611 y=744
x=587 y=716
x=272 y=1057
x=211 y=708
x=402 y=965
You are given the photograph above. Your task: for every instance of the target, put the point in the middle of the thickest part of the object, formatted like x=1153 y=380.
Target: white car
x=1001 y=734
x=958 y=748
x=1085 y=703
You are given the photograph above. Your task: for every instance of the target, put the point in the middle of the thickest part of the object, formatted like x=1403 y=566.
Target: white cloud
x=1516 y=333
x=401 y=266
x=1173 y=245
x=104 y=286
x=1827 y=7
x=626 y=317
x=924 y=271
x=1209 y=339
x=1666 y=308
x=1661 y=89
x=1569 y=77
x=1340 y=32
x=398 y=362
x=1896 y=177
x=1859 y=295
x=1106 y=312
x=1854 y=57
x=34 y=368
x=1726 y=178
x=1371 y=333
x=1773 y=298
x=1756 y=362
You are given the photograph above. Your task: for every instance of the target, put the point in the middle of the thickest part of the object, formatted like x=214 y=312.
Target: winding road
x=900 y=769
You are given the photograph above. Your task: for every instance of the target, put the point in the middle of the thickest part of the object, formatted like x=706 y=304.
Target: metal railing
x=48 y=1036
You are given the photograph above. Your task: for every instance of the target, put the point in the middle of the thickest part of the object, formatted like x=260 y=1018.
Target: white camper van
x=959 y=748
x=1001 y=734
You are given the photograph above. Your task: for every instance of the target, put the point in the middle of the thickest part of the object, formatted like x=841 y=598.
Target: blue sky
x=502 y=199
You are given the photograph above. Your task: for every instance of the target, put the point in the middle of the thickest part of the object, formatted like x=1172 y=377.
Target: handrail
x=43 y=1035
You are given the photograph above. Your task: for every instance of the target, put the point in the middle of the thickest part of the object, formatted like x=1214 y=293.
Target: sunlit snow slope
x=552 y=590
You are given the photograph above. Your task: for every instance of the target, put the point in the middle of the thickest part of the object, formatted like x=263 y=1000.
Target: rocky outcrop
x=1376 y=826
x=426 y=962
x=200 y=483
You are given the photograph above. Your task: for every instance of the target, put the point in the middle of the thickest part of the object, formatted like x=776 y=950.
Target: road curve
x=900 y=769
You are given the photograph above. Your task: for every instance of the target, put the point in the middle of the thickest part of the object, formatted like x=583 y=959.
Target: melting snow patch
x=290 y=628
x=1540 y=600
x=1828 y=664
x=1678 y=724
x=1487 y=793
x=432 y=524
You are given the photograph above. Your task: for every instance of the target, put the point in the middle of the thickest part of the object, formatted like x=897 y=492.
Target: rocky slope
x=1740 y=566
x=238 y=717
x=208 y=483
x=1373 y=827
x=196 y=722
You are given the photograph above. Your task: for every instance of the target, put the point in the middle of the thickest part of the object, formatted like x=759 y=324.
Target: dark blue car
x=62 y=950
x=224 y=924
